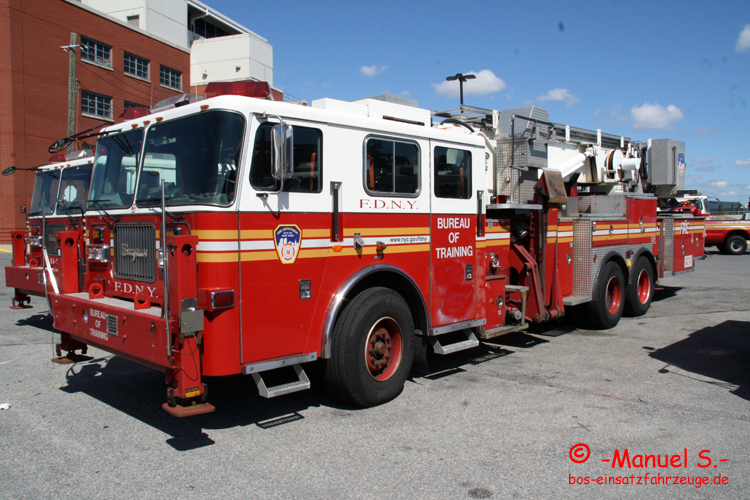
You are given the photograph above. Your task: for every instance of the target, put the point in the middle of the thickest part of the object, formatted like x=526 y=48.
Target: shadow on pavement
x=40 y=320
x=720 y=352
x=139 y=392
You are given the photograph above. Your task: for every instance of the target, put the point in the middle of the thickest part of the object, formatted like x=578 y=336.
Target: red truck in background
x=728 y=233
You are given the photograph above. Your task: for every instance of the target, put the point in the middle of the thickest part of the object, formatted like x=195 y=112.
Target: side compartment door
x=453 y=234
x=285 y=233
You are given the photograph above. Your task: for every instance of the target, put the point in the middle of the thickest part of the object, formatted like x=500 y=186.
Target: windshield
x=113 y=180
x=45 y=192
x=74 y=188
x=197 y=158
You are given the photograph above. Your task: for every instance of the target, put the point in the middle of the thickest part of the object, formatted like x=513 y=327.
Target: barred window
x=170 y=78
x=96 y=105
x=96 y=52
x=136 y=66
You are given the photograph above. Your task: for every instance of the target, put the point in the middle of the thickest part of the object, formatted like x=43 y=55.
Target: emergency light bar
x=261 y=90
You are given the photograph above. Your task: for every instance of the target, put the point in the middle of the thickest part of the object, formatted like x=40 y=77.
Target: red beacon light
x=58 y=158
x=134 y=112
x=261 y=90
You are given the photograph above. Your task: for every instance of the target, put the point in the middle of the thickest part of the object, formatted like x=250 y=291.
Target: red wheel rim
x=614 y=295
x=383 y=349
x=644 y=286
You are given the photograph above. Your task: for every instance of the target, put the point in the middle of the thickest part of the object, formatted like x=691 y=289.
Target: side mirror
x=9 y=171
x=282 y=140
x=23 y=208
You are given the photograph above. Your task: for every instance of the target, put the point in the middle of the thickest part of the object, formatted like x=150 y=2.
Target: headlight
x=98 y=255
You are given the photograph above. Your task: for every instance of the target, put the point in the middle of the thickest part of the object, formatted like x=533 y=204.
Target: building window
x=96 y=105
x=170 y=78
x=206 y=29
x=391 y=167
x=96 y=52
x=136 y=66
x=135 y=21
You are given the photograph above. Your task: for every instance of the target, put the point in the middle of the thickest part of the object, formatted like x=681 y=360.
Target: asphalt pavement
x=666 y=395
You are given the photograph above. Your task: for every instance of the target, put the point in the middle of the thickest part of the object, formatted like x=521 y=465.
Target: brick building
x=118 y=64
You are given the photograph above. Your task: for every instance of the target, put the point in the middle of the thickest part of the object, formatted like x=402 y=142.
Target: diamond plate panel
x=582 y=272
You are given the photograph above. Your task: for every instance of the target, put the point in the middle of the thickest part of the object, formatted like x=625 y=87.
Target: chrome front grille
x=135 y=252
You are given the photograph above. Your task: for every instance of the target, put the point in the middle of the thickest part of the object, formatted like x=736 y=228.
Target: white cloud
x=706 y=168
x=743 y=41
x=372 y=70
x=655 y=116
x=559 y=95
x=746 y=188
x=707 y=131
x=728 y=193
x=719 y=184
x=486 y=82
x=743 y=163
x=704 y=159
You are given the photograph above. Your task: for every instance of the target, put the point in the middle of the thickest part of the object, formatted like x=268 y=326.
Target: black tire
x=372 y=349
x=640 y=289
x=605 y=310
x=735 y=245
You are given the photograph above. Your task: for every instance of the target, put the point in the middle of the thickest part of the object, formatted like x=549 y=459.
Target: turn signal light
x=222 y=299
x=97 y=234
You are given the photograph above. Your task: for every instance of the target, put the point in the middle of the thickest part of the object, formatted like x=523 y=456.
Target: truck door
x=453 y=234
x=285 y=233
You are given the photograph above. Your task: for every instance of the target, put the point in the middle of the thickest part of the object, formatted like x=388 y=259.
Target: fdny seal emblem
x=287 y=239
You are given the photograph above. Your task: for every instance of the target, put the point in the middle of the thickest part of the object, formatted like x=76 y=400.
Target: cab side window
x=307 y=176
x=452 y=173
x=391 y=167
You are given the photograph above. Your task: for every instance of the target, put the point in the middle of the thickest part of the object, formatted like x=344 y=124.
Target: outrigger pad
x=24 y=303
x=71 y=358
x=188 y=411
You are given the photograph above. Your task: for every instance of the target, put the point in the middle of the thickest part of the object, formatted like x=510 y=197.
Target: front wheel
x=372 y=349
x=640 y=289
x=605 y=310
x=735 y=245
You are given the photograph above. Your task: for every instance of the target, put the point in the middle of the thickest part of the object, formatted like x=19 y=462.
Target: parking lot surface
x=544 y=414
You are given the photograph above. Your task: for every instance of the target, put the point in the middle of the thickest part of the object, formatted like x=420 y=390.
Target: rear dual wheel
x=372 y=349
x=640 y=289
x=605 y=310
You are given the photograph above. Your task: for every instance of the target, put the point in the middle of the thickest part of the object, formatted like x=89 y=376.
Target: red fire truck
x=238 y=234
x=57 y=204
x=728 y=233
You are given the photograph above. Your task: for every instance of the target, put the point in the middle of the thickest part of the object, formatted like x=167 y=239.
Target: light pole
x=461 y=79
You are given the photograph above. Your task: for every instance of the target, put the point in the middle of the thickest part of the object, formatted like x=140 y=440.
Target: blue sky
x=657 y=69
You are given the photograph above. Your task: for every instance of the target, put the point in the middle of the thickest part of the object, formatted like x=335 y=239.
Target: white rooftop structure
x=221 y=49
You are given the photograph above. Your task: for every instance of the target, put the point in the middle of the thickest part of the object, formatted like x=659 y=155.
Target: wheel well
x=737 y=232
x=398 y=283
x=651 y=261
x=620 y=261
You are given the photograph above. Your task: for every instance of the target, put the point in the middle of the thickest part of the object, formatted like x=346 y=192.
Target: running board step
x=281 y=389
x=471 y=341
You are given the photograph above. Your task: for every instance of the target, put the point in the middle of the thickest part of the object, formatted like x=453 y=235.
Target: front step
x=281 y=389
x=462 y=345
